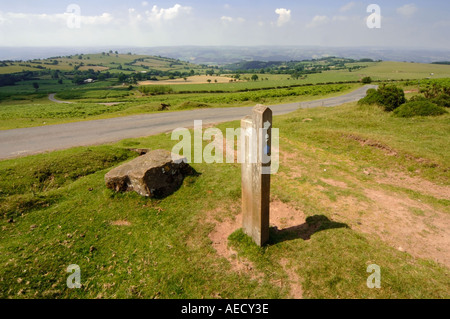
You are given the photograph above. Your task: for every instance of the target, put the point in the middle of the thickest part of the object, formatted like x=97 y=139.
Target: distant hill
x=222 y=55
x=111 y=61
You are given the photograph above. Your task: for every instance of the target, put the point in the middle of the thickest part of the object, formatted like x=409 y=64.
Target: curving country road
x=27 y=141
x=51 y=97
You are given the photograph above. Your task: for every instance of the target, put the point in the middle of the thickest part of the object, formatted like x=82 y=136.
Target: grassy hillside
x=102 y=62
x=356 y=187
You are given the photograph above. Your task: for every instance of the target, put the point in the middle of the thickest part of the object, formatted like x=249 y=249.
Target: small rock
x=401 y=249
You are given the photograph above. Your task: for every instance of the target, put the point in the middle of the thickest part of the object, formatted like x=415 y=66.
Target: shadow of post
x=313 y=225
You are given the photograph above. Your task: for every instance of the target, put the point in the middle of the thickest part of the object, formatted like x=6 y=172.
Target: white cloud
x=284 y=16
x=31 y=18
x=105 y=18
x=408 y=10
x=347 y=7
x=318 y=21
x=227 y=19
x=161 y=14
x=144 y=3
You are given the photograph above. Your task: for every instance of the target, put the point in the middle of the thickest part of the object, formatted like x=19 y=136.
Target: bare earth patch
x=294 y=280
x=415 y=184
x=121 y=223
x=371 y=143
x=407 y=225
x=282 y=217
x=335 y=183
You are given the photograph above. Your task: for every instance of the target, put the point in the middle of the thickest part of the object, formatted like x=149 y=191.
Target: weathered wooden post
x=256 y=162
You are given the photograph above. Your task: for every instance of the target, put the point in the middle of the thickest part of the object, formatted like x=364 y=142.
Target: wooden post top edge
x=261 y=109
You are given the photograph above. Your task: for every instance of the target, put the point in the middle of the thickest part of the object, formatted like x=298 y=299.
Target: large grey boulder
x=158 y=174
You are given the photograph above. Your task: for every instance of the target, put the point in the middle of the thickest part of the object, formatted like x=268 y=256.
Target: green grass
x=378 y=71
x=65 y=216
x=412 y=138
x=404 y=70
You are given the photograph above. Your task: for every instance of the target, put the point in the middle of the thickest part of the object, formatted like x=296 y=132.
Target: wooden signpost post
x=257 y=130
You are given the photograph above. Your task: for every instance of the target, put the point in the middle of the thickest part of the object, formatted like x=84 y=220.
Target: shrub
x=388 y=96
x=435 y=89
x=372 y=97
x=419 y=108
x=442 y=100
x=366 y=80
x=417 y=98
x=391 y=97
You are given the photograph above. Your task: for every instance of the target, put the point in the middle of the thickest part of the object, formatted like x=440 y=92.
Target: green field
x=378 y=71
x=356 y=205
x=110 y=61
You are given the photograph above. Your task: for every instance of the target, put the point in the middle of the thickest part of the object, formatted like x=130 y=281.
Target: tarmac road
x=51 y=97
x=27 y=141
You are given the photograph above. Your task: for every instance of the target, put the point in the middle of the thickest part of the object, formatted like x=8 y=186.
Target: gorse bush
x=435 y=90
x=388 y=96
x=372 y=97
x=391 y=97
x=442 y=100
x=366 y=80
x=419 y=108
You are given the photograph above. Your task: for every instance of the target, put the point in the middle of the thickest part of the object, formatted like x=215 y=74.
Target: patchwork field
x=198 y=79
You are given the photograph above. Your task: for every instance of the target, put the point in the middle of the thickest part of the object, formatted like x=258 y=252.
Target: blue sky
x=411 y=23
